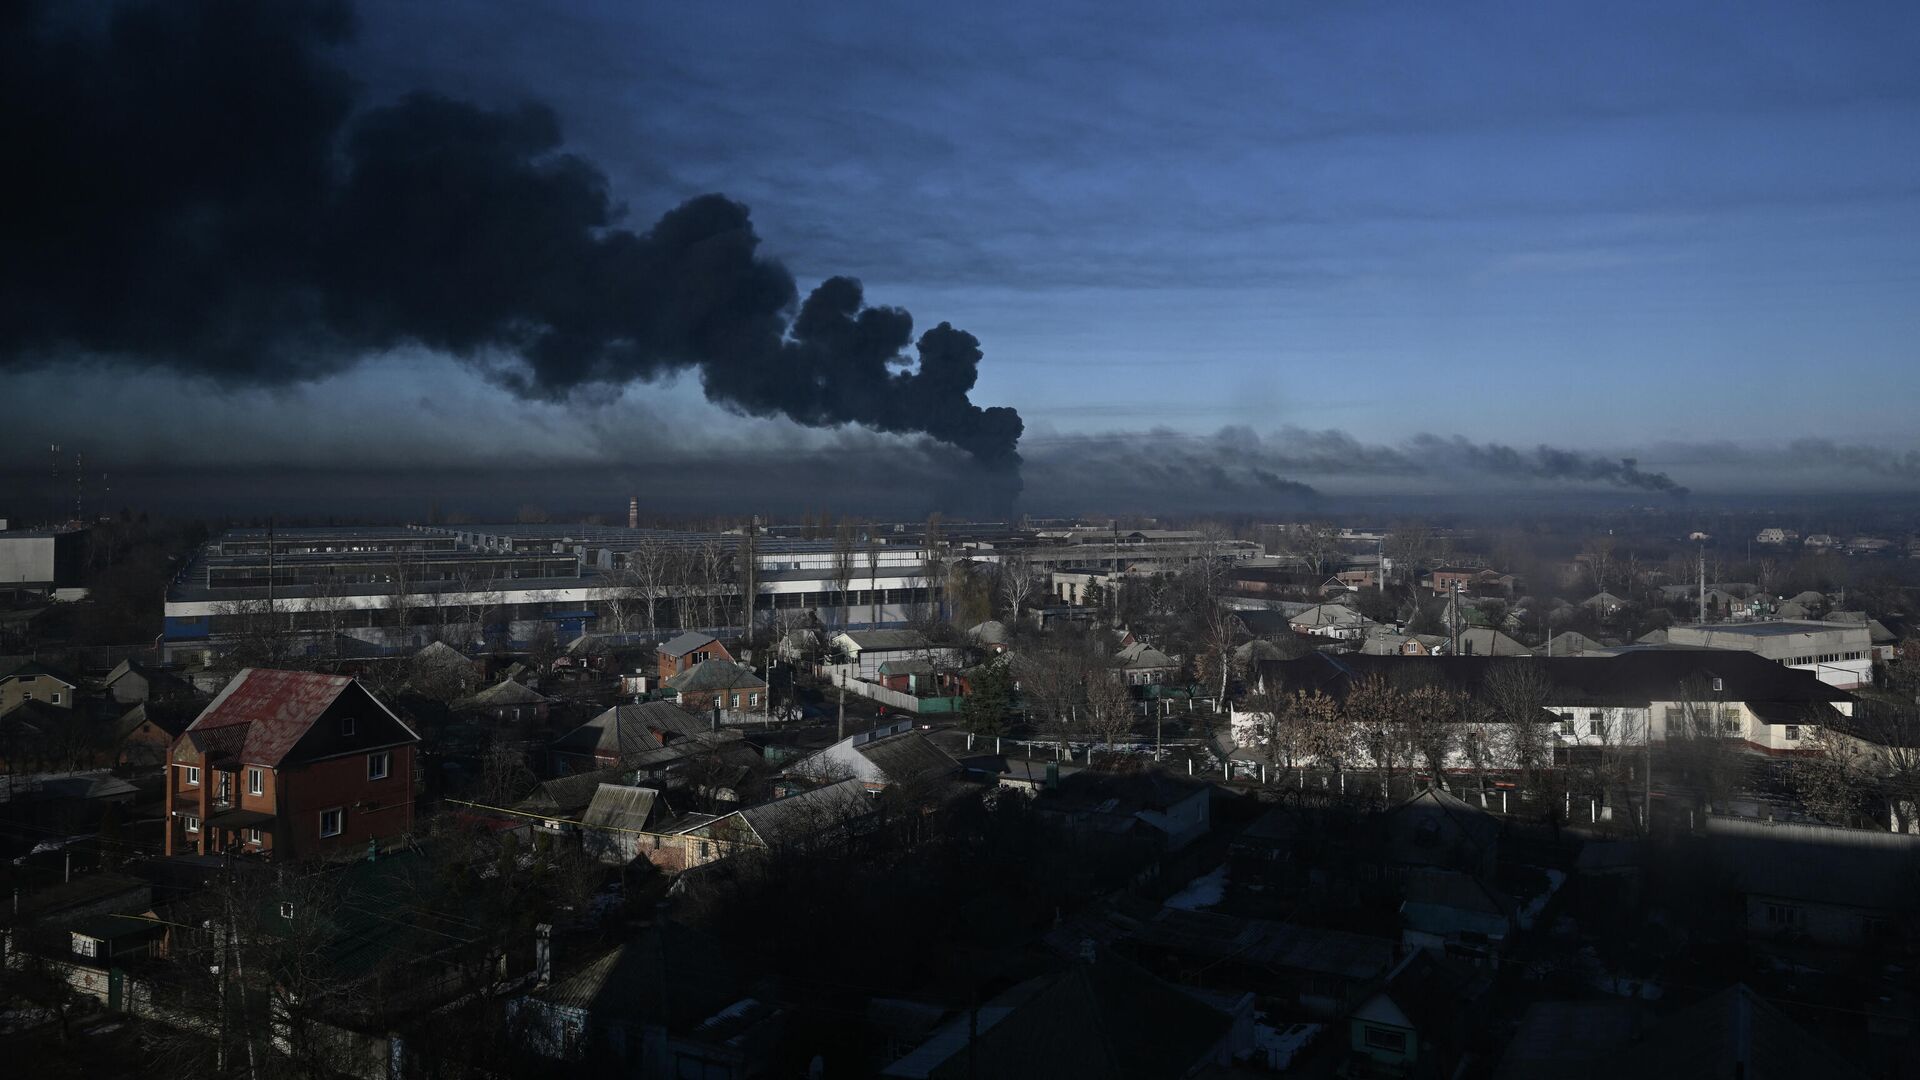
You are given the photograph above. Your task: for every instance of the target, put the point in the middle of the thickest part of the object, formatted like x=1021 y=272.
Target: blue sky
x=1624 y=228
x=1603 y=224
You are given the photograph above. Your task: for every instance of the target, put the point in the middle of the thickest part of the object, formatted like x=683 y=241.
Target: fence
x=842 y=675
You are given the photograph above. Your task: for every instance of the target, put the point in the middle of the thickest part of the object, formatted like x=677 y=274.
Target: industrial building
x=41 y=561
x=1841 y=654
x=376 y=590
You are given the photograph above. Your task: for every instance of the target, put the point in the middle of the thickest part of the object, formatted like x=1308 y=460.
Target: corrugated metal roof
x=616 y=806
x=274 y=709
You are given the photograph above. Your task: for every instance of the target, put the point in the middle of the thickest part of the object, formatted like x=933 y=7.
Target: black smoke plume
x=194 y=185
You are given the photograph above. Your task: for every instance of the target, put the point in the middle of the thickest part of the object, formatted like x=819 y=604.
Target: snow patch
x=1202 y=892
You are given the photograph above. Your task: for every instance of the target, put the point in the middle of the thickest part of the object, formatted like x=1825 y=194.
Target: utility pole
x=840 y=725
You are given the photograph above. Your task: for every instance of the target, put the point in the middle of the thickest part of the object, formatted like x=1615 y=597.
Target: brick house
x=290 y=764
x=678 y=654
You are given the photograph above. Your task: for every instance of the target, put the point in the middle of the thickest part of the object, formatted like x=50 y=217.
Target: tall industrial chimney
x=633 y=512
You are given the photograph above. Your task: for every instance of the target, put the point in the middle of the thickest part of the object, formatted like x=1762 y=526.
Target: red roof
x=273 y=708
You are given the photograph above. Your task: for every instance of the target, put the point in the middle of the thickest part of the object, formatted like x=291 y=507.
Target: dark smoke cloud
x=1541 y=463
x=200 y=190
x=1238 y=461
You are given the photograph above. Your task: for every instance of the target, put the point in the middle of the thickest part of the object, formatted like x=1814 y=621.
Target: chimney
x=633 y=512
x=543 y=953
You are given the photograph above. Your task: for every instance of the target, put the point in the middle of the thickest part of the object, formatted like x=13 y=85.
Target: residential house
x=1433 y=830
x=721 y=686
x=1604 y=604
x=621 y=733
x=1171 y=809
x=991 y=635
x=290 y=764
x=1144 y=665
x=1471 y=580
x=508 y=700
x=1486 y=641
x=1572 y=643
x=617 y=819
x=1615 y=700
x=1776 y=536
x=671 y=1003
x=24 y=679
x=825 y=816
x=1819 y=885
x=1101 y=1016
x=1310 y=969
x=866 y=650
x=885 y=756
x=914 y=676
x=679 y=653
x=145 y=733
x=1335 y=621
x=1821 y=540
x=131 y=681
x=1419 y=1021
x=1734 y=1033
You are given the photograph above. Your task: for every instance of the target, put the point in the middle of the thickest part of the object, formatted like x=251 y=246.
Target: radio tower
x=53 y=483
x=79 y=486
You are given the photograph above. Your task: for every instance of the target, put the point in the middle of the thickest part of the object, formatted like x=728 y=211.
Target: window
x=735 y=702
x=753 y=700
x=1566 y=728
x=86 y=946
x=331 y=821
x=253 y=837
x=256 y=780
x=193 y=776
x=1717 y=687
x=1379 y=1038
x=1596 y=728
x=191 y=823
x=346 y=725
x=55 y=698
x=377 y=765
x=1785 y=915
x=1793 y=732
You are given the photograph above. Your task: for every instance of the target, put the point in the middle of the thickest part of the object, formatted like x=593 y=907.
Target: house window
x=377 y=765
x=1717 y=687
x=1793 y=732
x=753 y=700
x=346 y=725
x=256 y=781
x=191 y=823
x=1566 y=727
x=1596 y=728
x=1785 y=915
x=735 y=702
x=1379 y=1038
x=253 y=837
x=86 y=946
x=331 y=821
x=55 y=698
x=193 y=776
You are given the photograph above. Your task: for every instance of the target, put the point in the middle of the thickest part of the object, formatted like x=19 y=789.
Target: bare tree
x=843 y=541
x=1017 y=583
x=1221 y=631
x=1516 y=692
x=873 y=581
x=1428 y=713
x=1375 y=712
x=648 y=574
x=1697 y=741
x=1110 y=708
